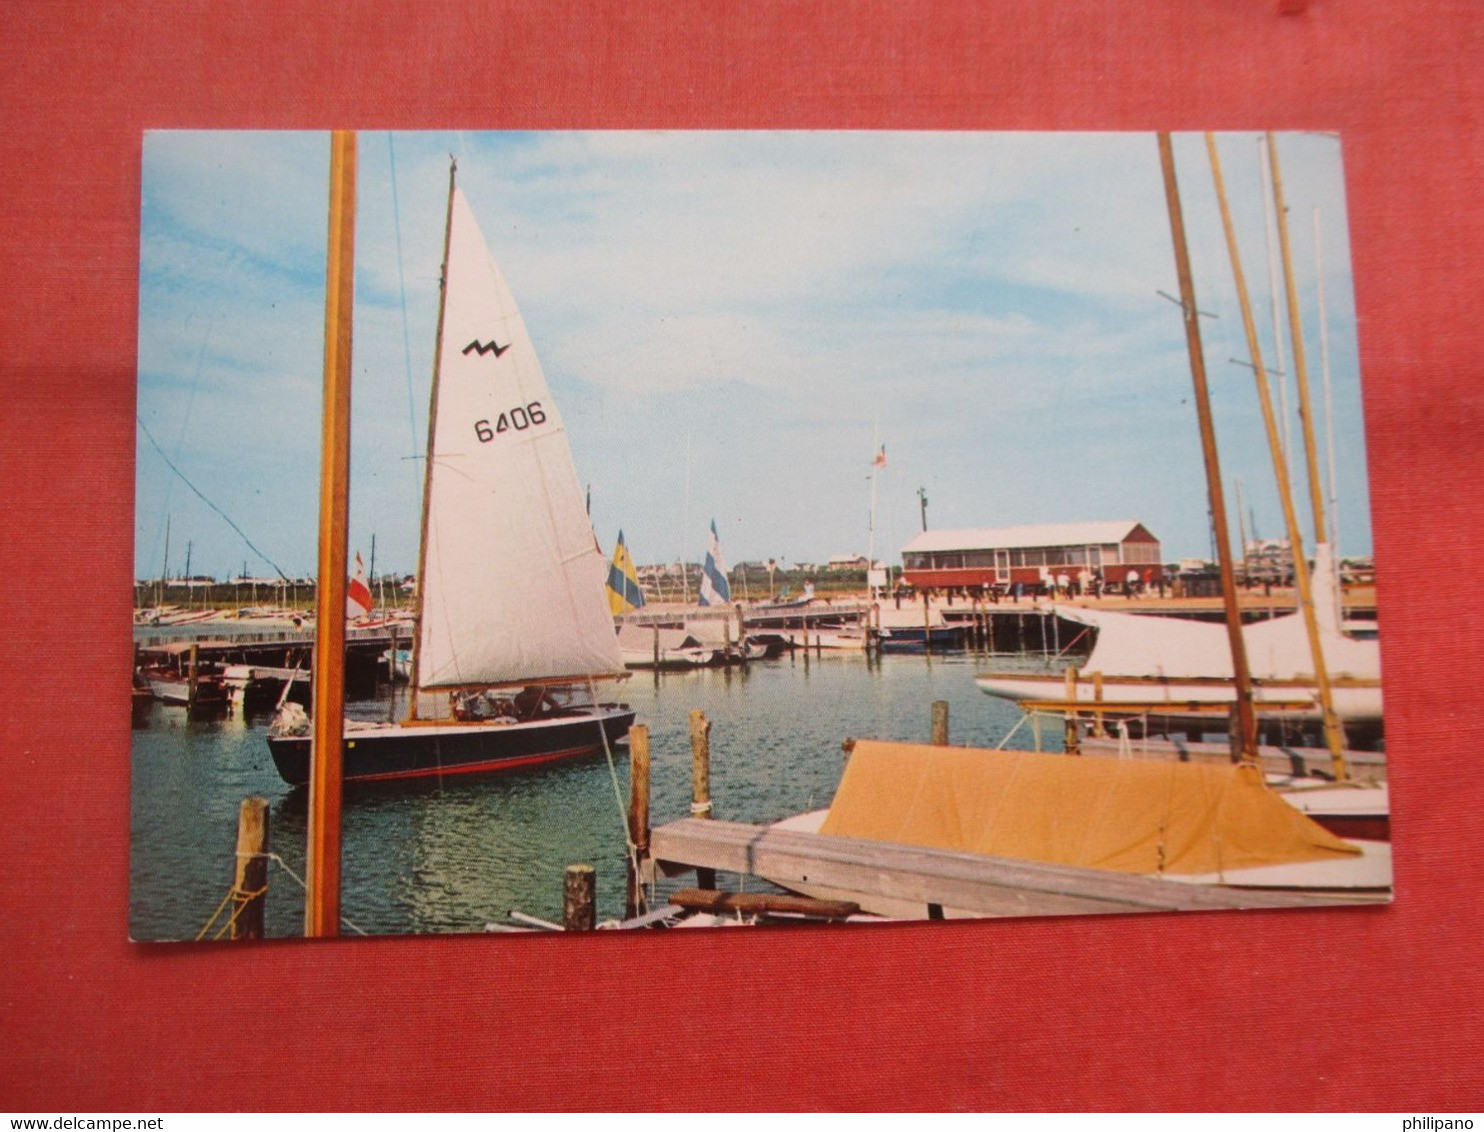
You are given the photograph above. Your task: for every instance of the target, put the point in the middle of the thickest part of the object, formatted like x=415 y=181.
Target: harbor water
x=460 y=854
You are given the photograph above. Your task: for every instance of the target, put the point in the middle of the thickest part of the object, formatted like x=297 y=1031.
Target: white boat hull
x=1353 y=703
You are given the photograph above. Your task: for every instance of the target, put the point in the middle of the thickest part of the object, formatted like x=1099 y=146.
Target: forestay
x=513 y=581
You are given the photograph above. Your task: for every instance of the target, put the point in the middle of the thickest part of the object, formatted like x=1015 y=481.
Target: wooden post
x=250 y=882
x=700 y=778
x=927 y=624
x=940 y=723
x=741 y=632
x=638 y=817
x=1072 y=740
x=193 y=674
x=656 y=646
x=1099 y=724
x=580 y=899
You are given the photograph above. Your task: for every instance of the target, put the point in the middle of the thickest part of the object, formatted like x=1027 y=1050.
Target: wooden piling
x=940 y=723
x=700 y=778
x=638 y=818
x=580 y=899
x=1072 y=737
x=250 y=882
x=193 y=674
x=1099 y=722
x=927 y=624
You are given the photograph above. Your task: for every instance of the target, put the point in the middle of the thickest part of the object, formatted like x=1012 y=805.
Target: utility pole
x=922 y=503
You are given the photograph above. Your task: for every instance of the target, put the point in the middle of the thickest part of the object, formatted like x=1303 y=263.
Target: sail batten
x=513 y=586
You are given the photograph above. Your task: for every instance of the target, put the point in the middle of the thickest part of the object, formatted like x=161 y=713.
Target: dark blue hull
x=917 y=640
x=429 y=750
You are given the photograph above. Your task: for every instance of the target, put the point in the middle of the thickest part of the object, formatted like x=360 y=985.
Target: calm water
x=453 y=857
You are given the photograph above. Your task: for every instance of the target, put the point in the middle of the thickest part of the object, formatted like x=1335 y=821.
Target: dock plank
x=980 y=885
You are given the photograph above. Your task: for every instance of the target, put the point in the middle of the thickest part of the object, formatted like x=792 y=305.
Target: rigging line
x=630 y=849
x=171 y=465
x=402 y=285
x=297 y=879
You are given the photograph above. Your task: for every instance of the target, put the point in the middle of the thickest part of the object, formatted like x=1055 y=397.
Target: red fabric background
x=1353 y=1010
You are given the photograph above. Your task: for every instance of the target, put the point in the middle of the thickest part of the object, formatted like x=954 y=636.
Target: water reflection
x=452 y=856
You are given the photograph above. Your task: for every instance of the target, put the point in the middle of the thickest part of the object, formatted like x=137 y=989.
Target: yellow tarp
x=1130 y=815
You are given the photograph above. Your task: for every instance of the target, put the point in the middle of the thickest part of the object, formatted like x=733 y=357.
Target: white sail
x=513 y=579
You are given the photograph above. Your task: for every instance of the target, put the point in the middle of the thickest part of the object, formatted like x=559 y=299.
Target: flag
x=714 y=588
x=880 y=460
x=358 y=595
x=624 y=593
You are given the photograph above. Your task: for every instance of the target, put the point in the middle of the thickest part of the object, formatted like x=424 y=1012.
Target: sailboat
x=513 y=630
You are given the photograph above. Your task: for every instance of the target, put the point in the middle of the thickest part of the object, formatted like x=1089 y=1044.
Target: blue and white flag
x=714 y=587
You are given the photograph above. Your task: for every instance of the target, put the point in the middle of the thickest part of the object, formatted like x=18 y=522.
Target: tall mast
x=422 y=545
x=322 y=900
x=1329 y=406
x=871 y=532
x=1333 y=733
x=1246 y=715
x=164 y=566
x=1296 y=333
x=1278 y=369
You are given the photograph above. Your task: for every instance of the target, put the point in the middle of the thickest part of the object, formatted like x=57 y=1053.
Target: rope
x=1000 y=746
x=171 y=465
x=246 y=897
x=281 y=863
x=631 y=851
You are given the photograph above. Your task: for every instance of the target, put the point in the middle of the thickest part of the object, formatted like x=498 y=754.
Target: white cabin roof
x=1041 y=534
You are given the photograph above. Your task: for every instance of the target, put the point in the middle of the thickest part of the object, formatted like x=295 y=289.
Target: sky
x=733 y=323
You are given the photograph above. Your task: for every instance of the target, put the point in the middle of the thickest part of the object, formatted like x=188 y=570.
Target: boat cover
x=1129 y=815
x=1131 y=644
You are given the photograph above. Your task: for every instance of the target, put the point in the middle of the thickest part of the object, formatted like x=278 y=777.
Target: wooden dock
x=915 y=882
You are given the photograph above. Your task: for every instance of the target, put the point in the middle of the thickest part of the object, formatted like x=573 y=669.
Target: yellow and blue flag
x=624 y=593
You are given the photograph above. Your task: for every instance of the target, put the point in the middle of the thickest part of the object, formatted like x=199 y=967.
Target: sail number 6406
x=519 y=418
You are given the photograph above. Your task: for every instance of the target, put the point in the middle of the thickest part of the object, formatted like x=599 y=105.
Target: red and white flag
x=880 y=460
x=358 y=595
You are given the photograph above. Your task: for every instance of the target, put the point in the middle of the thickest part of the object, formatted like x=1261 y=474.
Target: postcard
x=763 y=528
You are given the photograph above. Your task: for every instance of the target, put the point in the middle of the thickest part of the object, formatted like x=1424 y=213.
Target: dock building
x=1031 y=555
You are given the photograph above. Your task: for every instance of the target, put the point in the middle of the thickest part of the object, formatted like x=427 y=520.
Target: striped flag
x=358 y=595
x=624 y=593
x=714 y=587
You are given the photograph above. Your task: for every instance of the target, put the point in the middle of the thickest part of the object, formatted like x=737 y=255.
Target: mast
x=1246 y=715
x=422 y=544
x=1267 y=228
x=871 y=528
x=1295 y=331
x=1329 y=405
x=322 y=900
x=164 y=566
x=1333 y=733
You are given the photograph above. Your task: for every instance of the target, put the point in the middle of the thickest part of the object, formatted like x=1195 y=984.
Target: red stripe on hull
x=472 y=768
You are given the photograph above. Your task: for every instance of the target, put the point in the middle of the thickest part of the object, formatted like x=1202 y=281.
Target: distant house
x=846 y=562
x=1031 y=554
